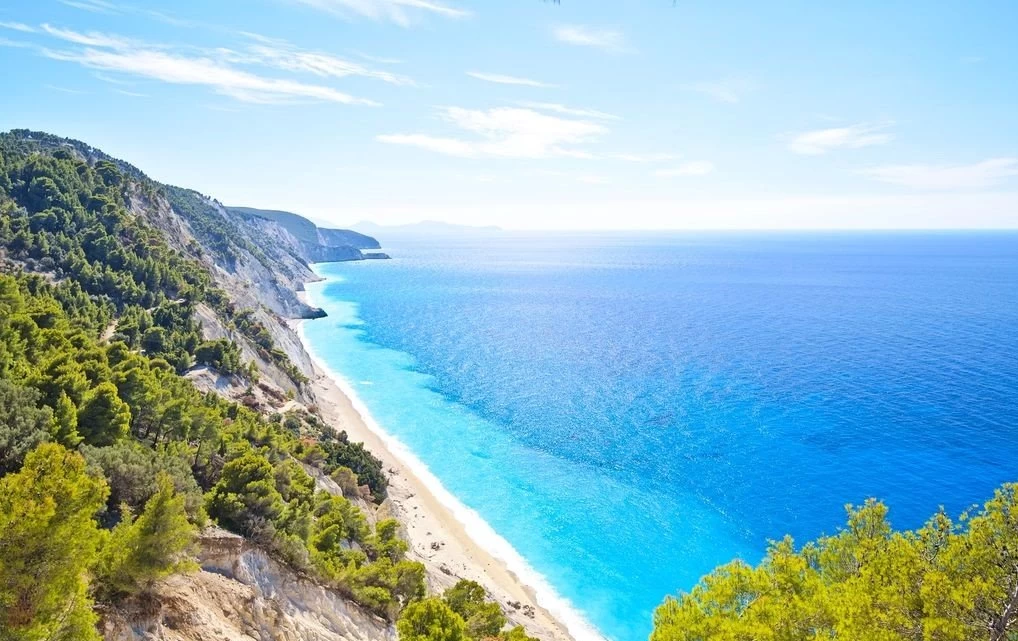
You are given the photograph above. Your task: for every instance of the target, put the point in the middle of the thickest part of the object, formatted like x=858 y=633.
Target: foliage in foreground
x=461 y=614
x=947 y=581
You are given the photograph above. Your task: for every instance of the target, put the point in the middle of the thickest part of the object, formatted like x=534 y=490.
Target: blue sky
x=527 y=114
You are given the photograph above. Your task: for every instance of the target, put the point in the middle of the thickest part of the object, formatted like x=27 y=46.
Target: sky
x=582 y=114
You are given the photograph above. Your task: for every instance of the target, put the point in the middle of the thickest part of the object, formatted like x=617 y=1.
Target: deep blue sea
x=629 y=411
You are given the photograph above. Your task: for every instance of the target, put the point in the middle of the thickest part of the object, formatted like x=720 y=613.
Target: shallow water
x=630 y=410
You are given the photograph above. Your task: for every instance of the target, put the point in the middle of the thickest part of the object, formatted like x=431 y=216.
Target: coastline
x=442 y=533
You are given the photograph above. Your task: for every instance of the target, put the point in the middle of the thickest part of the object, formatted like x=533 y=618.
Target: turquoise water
x=628 y=411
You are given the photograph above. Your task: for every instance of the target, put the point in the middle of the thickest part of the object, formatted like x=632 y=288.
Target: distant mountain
x=424 y=228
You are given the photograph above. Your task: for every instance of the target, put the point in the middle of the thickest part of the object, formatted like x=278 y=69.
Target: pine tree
x=158 y=543
x=430 y=620
x=48 y=539
x=103 y=418
x=65 y=422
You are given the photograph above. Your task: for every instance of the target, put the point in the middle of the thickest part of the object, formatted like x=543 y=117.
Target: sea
x=615 y=414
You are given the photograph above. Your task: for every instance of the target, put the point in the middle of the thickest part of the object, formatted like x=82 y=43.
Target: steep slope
x=125 y=299
x=243 y=594
x=307 y=232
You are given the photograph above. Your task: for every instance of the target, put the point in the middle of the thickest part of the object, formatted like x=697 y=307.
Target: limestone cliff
x=242 y=594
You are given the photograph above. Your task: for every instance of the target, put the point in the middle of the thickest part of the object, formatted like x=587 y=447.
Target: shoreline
x=442 y=533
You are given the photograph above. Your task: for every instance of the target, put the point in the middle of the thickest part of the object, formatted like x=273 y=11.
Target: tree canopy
x=946 y=581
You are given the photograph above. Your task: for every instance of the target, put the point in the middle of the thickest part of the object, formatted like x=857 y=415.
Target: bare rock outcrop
x=242 y=594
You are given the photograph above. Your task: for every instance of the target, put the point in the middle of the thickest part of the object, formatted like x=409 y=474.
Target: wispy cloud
x=987 y=173
x=584 y=36
x=95 y=6
x=509 y=132
x=505 y=132
x=133 y=94
x=568 y=111
x=111 y=80
x=507 y=80
x=691 y=168
x=391 y=10
x=729 y=90
x=225 y=80
x=90 y=39
x=76 y=92
x=17 y=26
x=110 y=8
x=282 y=55
x=16 y=44
x=821 y=141
x=113 y=54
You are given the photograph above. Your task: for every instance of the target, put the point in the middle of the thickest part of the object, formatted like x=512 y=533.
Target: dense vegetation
x=947 y=581
x=461 y=614
x=155 y=445
x=110 y=459
x=62 y=216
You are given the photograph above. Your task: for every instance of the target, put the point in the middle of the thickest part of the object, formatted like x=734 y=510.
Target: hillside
x=150 y=387
x=306 y=239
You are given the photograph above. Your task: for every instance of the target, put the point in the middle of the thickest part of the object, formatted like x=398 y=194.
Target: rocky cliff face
x=242 y=594
x=304 y=238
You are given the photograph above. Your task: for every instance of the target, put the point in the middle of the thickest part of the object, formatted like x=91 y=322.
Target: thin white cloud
x=502 y=79
x=90 y=39
x=729 y=90
x=76 y=92
x=584 y=36
x=14 y=44
x=17 y=26
x=821 y=141
x=391 y=10
x=108 y=53
x=509 y=132
x=691 y=168
x=568 y=111
x=95 y=6
x=111 y=80
x=133 y=94
x=282 y=55
x=223 y=79
x=505 y=132
x=987 y=173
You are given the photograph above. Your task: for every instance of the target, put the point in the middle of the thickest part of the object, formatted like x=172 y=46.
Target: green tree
x=430 y=620
x=103 y=418
x=159 y=543
x=517 y=633
x=245 y=499
x=132 y=472
x=22 y=425
x=48 y=540
x=942 y=582
x=469 y=600
x=65 y=422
